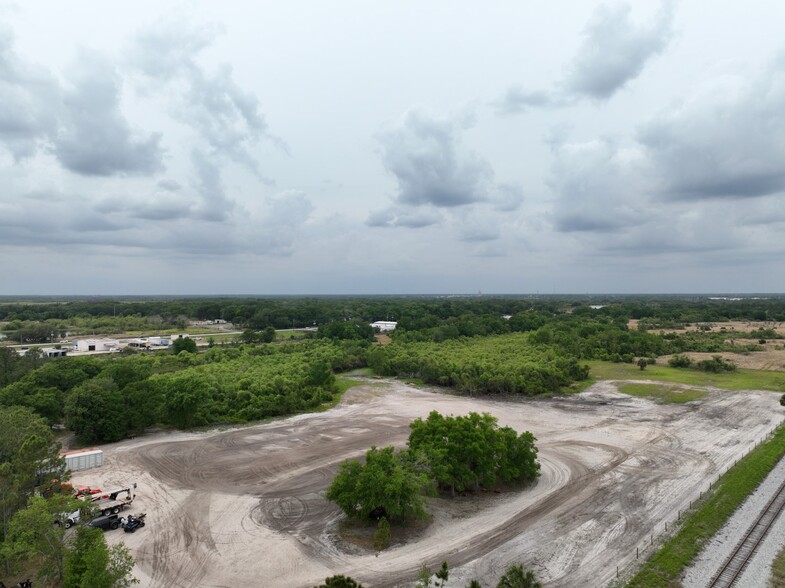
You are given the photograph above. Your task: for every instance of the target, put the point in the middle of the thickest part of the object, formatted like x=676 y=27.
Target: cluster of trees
x=505 y=364
x=30 y=502
x=103 y=399
x=343 y=330
x=715 y=365
x=470 y=452
x=444 y=452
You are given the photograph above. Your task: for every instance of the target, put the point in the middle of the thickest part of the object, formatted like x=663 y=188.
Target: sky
x=354 y=147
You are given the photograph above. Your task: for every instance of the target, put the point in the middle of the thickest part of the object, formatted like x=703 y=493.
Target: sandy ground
x=246 y=507
x=739 y=326
x=722 y=545
x=771 y=358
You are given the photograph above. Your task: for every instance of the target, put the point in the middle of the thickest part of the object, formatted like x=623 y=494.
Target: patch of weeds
x=662 y=393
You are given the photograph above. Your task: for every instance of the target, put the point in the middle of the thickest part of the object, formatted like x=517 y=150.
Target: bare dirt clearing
x=770 y=359
x=246 y=507
x=718 y=327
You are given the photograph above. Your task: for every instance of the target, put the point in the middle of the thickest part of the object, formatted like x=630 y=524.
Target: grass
x=366 y=372
x=741 y=379
x=778 y=571
x=663 y=393
x=710 y=514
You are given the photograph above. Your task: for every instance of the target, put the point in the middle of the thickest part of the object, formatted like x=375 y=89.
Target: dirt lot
x=718 y=327
x=246 y=508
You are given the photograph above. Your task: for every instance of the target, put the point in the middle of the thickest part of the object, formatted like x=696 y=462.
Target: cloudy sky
x=391 y=147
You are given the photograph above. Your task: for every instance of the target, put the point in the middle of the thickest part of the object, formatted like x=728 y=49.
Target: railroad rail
x=737 y=561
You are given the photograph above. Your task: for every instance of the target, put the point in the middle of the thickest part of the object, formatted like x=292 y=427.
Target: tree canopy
x=385 y=486
x=467 y=452
x=455 y=453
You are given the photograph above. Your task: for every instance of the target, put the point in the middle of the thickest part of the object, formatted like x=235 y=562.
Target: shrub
x=680 y=361
x=382 y=536
x=340 y=582
x=716 y=365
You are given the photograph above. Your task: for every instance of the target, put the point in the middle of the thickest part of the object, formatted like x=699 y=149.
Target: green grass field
x=663 y=393
x=741 y=379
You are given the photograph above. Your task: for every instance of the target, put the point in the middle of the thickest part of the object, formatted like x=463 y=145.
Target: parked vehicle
x=112 y=502
x=110 y=522
x=134 y=522
x=69 y=519
x=107 y=507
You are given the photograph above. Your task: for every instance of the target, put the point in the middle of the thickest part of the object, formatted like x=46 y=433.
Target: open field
x=229 y=508
x=717 y=327
x=741 y=379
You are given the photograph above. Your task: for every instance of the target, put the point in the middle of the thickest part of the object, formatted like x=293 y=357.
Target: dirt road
x=246 y=507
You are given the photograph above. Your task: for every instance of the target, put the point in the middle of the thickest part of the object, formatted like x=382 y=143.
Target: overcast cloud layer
x=392 y=148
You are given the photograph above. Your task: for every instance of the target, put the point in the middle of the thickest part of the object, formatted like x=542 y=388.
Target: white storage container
x=84 y=460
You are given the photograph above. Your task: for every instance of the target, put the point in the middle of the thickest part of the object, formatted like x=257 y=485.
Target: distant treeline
x=283 y=312
x=448 y=316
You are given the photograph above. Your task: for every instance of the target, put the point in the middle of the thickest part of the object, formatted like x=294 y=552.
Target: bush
x=382 y=536
x=518 y=577
x=782 y=400
x=680 y=361
x=339 y=582
x=716 y=365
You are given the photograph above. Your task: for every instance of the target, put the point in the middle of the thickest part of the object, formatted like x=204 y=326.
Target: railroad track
x=737 y=561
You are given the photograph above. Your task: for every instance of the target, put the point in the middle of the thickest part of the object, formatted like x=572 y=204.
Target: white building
x=54 y=352
x=96 y=344
x=384 y=326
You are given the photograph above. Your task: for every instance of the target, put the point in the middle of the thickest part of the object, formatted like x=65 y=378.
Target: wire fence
x=664 y=531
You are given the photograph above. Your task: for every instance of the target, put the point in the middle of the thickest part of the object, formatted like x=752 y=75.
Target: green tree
x=90 y=563
x=29 y=455
x=32 y=534
x=183 y=344
x=346 y=330
x=186 y=394
x=642 y=363
x=383 y=485
x=517 y=576
x=93 y=411
x=467 y=452
x=382 y=536
x=782 y=400
x=268 y=334
x=143 y=405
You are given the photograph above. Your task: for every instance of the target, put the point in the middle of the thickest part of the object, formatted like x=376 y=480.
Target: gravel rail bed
x=757 y=573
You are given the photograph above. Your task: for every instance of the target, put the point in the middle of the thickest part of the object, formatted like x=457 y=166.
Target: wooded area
x=476 y=345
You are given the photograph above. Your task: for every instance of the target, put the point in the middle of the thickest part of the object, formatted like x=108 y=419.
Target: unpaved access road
x=246 y=507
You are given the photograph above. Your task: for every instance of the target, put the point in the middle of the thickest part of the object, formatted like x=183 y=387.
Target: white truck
x=69 y=520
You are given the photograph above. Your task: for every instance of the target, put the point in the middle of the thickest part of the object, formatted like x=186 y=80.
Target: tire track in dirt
x=611 y=464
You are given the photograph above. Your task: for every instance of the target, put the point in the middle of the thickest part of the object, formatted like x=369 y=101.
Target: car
x=110 y=522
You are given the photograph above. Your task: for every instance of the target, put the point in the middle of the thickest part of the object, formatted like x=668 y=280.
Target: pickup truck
x=69 y=519
x=111 y=522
